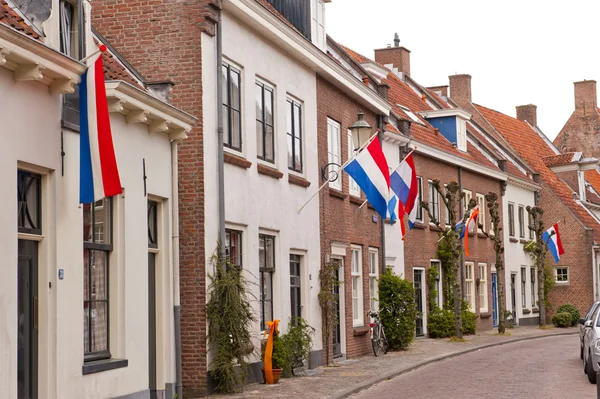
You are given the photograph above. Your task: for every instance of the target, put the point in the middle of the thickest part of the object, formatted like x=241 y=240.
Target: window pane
x=86 y=327
x=298 y=153
x=269 y=107
x=259 y=101
x=235 y=89
x=297 y=122
x=98 y=275
x=236 y=139
x=290 y=152
x=86 y=270
x=102 y=221
x=225 y=85
x=261 y=251
x=269 y=150
x=99 y=326
x=226 y=125
x=87 y=223
x=270 y=252
x=259 y=140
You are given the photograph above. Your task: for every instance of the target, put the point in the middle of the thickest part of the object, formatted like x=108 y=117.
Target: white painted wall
x=514 y=256
x=254 y=202
x=394 y=245
x=31 y=134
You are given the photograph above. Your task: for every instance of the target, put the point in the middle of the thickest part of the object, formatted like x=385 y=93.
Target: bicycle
x=378 y=339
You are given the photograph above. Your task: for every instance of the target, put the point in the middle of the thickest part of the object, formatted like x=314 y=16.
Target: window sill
x=236 y=160
x=433 y=227
x=268 y=171
x=356 y=200
x=298 y=181
x=336 y=193
x=481 y=235
x=485 y=315
x=419 y=225
x=562 y=284
x=512 y=239
x=523 y=241
x=360 y=331
x=103 y=365
x=526 y=311
x=535 y=310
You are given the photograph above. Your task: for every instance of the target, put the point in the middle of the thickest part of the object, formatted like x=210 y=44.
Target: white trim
x=471 y=281
x=521 y=183
x=374 y=295
x=358 y=319
x=423 y=295
x=30 y=237
x=586 y=164
x=440 y=113
x=263 y=22
x=331 y=124
x=483 y=309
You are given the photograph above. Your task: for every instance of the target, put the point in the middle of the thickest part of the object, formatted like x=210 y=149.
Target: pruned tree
x=538 y=250
x=451 y=197
x=491 y=199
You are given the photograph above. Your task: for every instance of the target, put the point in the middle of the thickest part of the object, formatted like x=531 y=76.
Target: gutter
x=175 y=244
x=220 y=154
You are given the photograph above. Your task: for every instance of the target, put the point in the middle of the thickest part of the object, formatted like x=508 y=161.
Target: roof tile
x=11 y=18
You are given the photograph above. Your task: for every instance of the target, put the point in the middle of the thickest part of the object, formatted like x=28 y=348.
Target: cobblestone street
x=353 y=375
x=540 y=368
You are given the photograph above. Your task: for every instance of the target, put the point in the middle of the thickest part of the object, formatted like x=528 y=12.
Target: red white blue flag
x=99 y=174
x=403 y=182
x=552 y=239
x=370 y=171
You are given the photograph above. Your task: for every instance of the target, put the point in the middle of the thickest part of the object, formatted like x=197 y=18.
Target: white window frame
x=470 y=285
x=353 y=187
x=334 y=151
x=461 y=134
x=521 y=216
x=533 y=279
x=524 y=287
x=357 y=286
x=511 y=225
x=431 y=191
x=419 y=200
x=481 y=217
x=446 y=211
x=373 y=276
x=556 y=275
x=466 y=200
x=483 y=289
x=318 y=31
x=438 y=284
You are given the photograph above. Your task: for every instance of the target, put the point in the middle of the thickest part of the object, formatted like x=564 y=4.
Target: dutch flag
x=403 y=183
x=370 y=171
x=552 y=239
x=99 y=175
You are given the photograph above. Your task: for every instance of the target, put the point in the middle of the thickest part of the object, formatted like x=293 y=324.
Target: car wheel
x=584 y=366
x=590 y=370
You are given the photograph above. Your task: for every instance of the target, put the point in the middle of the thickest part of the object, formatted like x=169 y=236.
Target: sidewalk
x=353 y=375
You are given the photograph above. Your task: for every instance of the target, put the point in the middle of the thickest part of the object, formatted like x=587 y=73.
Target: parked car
x=582 y=320
x=591 y=345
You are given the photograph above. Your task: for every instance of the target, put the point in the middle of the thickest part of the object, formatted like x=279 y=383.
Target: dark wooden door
x=337 y=330
x=295 y=287
x=27 y=356
x=152 y=323
x=418 y=284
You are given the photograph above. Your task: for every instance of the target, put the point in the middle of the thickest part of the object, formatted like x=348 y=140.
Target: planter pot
x=276 y=375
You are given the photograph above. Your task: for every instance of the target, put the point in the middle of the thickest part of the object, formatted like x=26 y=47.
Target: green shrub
x=562 y=319
x=298 y=343
x=469 y=320
x=572 y=310
x=398 y=310
x=280 y=358
x=440 y=323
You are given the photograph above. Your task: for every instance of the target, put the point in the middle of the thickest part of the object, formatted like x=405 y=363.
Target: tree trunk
x=457 y=296
x=501 y=303
x=542 y=303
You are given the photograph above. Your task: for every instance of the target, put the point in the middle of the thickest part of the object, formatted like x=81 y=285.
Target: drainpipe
x=460 y=215
x=220 y=154
x=382 y=268
x=175 y=245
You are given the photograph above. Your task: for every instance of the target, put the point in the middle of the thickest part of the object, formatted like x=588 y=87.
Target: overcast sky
x=517 y=52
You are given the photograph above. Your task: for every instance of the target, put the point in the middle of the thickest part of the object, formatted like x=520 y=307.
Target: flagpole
x=341 y=168
x=404 y=159
x=101 y=49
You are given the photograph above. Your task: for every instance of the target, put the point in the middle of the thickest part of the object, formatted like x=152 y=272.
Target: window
x=419 y=199
x=29 y=200
x=481 y=217
x=232 y=120
x=152 y=225
x=521 y=221
x=531 y=233
x=97 y=246
x=373 y=273
x=295 y=287
x=357 y=287
x=446 y=211
x=469 y=285
x=72 y=44
x=511 y=220
x=532 y=272
x=266 y=263
x=523 y=285
x=466 y=200
x=265 y=137
x=434 y=202
x=233 y=247
x=461 y=134
x=318 y=24
x=294 y=135
x=411 y=114
x=334 y=151
x=561 y=274
x=439 y=299
x=483 y=293
x=354 y=188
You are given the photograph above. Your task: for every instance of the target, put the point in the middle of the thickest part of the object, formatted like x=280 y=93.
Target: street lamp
x=361 y=131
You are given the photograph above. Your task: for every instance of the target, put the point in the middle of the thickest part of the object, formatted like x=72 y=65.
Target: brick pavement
x=355 y=374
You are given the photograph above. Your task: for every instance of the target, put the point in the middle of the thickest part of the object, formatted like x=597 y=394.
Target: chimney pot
x=460 y=88
x=585 y=95
x=527 y=113
x=396 y=40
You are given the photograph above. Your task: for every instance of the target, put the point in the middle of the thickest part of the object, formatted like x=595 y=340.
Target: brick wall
x=340 y=221
x=162 y=40
x=397 y=56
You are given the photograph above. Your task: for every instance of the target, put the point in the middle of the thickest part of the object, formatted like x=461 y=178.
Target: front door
x=152 y=323
x=295 y=288
x=494 y=300
x=418 y=283
x=337 y=330
x=513 y=296
x=27 y=320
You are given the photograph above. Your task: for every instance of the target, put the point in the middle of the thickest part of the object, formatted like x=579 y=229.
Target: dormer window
x=452 y=124
x=461 y=134
x=318 y=24
x=411 y=114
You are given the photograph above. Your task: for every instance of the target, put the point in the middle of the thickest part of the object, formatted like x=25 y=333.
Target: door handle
x=35 y=312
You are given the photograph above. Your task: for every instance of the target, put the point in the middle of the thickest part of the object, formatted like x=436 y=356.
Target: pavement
x=350 y=376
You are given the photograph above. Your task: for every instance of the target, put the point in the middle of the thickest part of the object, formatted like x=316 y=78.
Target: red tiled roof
x=115 y=70
x=390 y=128
x=357 y=57
x=533 y=148
x=11 y=18
x=560 y=159
x=593 y=177
x=439 y=99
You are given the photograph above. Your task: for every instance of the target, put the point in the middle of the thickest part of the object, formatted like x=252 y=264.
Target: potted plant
x=279 y=358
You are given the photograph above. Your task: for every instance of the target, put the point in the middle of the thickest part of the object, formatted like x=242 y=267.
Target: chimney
x=527 y=113
x=585 y=95
x=460 y=88
x=398 y=56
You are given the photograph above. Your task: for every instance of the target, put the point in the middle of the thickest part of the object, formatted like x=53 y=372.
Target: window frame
x=353 y=187
x=483 y=289
x=298 y=260
x=26 y=181
x=511 y=219
x=532 y=273
x=263 y=88
x=333 y=157
x=318 y=22
x=431 y=194
x=107 y=249
x=373 y=277
x=229 y=109
x=265 y=269
x=420 y=214
x=357 y=275
x=556 y=275
x=291 y=104
x=530 y=226
x=229 y=247
x=77 y=51
x=521 y=215
x=481 y=218
x=468 y=197
x=470 y=285
x=439 y=283
x=524 y=287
